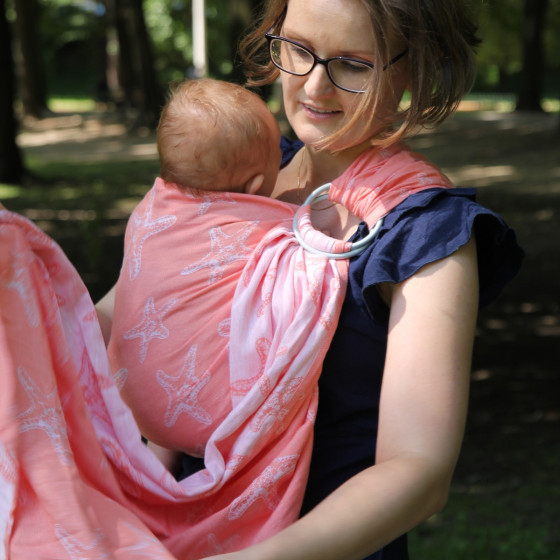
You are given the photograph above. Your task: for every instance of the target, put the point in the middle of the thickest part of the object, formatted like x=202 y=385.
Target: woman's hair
x=207 y=129
x=440 y=36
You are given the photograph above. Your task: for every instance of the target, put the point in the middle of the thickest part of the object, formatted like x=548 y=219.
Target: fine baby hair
x=439 y=39
x=209 y=131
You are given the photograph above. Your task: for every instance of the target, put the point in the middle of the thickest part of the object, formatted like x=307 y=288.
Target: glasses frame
x=324 y=61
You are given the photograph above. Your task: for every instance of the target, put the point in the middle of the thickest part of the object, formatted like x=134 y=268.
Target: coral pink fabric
x=75 y=478
x=219 y=345
x=381 y=178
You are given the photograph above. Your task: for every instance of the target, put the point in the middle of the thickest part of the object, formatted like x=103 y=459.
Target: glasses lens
x=291 y=58
x=350 y=74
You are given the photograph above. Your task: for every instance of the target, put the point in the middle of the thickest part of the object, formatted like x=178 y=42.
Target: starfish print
x=129 y=477
x=146 y=544
x=151 y=326
x=224 y=250
x=76 y=549
x=92 y=385
x=234 y=463
x=275 y=409
x=315 y=271
x=144 y=227
x=120 y=378
x=224 y=328
x=183 y=391
x=8 y=466
x=264 y=487
x=45 y=413
x=217 y=546
x=206 y=199
x=20 y=282
x=243 y=386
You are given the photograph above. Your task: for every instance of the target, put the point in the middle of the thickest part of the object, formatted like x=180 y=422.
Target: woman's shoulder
x=432 y=225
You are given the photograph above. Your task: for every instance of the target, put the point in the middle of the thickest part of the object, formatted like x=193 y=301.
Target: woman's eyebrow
x=349 y=53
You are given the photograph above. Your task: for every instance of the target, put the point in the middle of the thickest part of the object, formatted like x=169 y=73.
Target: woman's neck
x=320 y=166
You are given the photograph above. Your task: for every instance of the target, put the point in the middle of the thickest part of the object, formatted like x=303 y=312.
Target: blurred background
x=82 y=84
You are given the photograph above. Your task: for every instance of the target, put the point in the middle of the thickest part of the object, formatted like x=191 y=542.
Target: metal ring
x=321 y=193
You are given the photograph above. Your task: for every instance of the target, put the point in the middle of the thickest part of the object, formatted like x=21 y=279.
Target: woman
x=394 y=387
x=384 y=452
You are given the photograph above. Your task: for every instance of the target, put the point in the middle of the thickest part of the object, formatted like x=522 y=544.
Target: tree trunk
x=11 y=164
x=33 y=90
x=115 y=91
x=530 y=89
x=136 y=65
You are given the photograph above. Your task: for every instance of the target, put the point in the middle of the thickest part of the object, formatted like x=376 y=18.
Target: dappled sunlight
x=64 y=138
x=481 y=175
x=525 y=319
x=65 y=129
x=39 y=214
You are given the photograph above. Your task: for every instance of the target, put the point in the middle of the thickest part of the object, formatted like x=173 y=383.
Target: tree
x=33 y=84
x=136 y=65
x=11 y=164
x=530 y=88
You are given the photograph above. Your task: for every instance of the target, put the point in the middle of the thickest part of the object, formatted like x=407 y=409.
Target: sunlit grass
x=9 y=191
x=68 y=105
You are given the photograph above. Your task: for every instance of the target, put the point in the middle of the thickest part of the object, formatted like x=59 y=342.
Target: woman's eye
x=353 y=66
x=299 y=52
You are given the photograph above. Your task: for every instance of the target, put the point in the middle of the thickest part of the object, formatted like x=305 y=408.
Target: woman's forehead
x=340 y=24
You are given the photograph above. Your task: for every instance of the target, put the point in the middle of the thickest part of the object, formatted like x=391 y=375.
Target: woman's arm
x=422 y=416
x=104 y=308
x=168 y=457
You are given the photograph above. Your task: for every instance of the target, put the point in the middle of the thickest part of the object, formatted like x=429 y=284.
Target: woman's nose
x=318 y=83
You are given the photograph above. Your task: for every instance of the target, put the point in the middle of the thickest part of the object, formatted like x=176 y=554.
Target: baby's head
x=218 y=136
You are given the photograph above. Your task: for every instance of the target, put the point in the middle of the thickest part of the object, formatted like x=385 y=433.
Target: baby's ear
x=254 y=184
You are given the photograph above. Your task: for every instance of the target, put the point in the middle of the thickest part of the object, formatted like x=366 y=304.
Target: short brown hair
x=208 y=127
x=440 y=36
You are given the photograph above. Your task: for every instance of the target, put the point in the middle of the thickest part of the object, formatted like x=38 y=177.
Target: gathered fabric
x=221 y=324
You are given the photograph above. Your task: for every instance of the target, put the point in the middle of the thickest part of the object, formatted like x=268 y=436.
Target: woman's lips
x=318 y=112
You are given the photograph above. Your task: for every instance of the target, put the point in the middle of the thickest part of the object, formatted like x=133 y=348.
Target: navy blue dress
x=427 y=226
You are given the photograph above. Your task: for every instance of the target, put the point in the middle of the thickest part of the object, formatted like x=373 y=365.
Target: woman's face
x=314 y=106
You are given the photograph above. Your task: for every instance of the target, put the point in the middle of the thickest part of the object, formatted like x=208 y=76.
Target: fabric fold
x=222 y=321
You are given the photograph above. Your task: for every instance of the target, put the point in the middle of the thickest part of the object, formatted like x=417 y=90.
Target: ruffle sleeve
x=429 y=226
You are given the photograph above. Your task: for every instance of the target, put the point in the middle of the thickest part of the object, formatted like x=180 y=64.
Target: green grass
x=71 y=105
x=511 y=519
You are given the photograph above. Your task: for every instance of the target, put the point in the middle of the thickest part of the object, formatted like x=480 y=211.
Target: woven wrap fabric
x=75 y=477
x=221 y=324
x=217 y=353
x=69 y=448
x=381 y=178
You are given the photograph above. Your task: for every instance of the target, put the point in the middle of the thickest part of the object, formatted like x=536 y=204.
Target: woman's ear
x=254 y=184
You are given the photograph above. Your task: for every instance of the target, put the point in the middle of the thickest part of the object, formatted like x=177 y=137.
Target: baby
x=218 y=136
x=218 y=145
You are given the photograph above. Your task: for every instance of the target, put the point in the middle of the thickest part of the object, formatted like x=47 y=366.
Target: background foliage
x=73 y=42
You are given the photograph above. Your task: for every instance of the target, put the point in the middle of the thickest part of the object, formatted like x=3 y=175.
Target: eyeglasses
x=348 y=74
